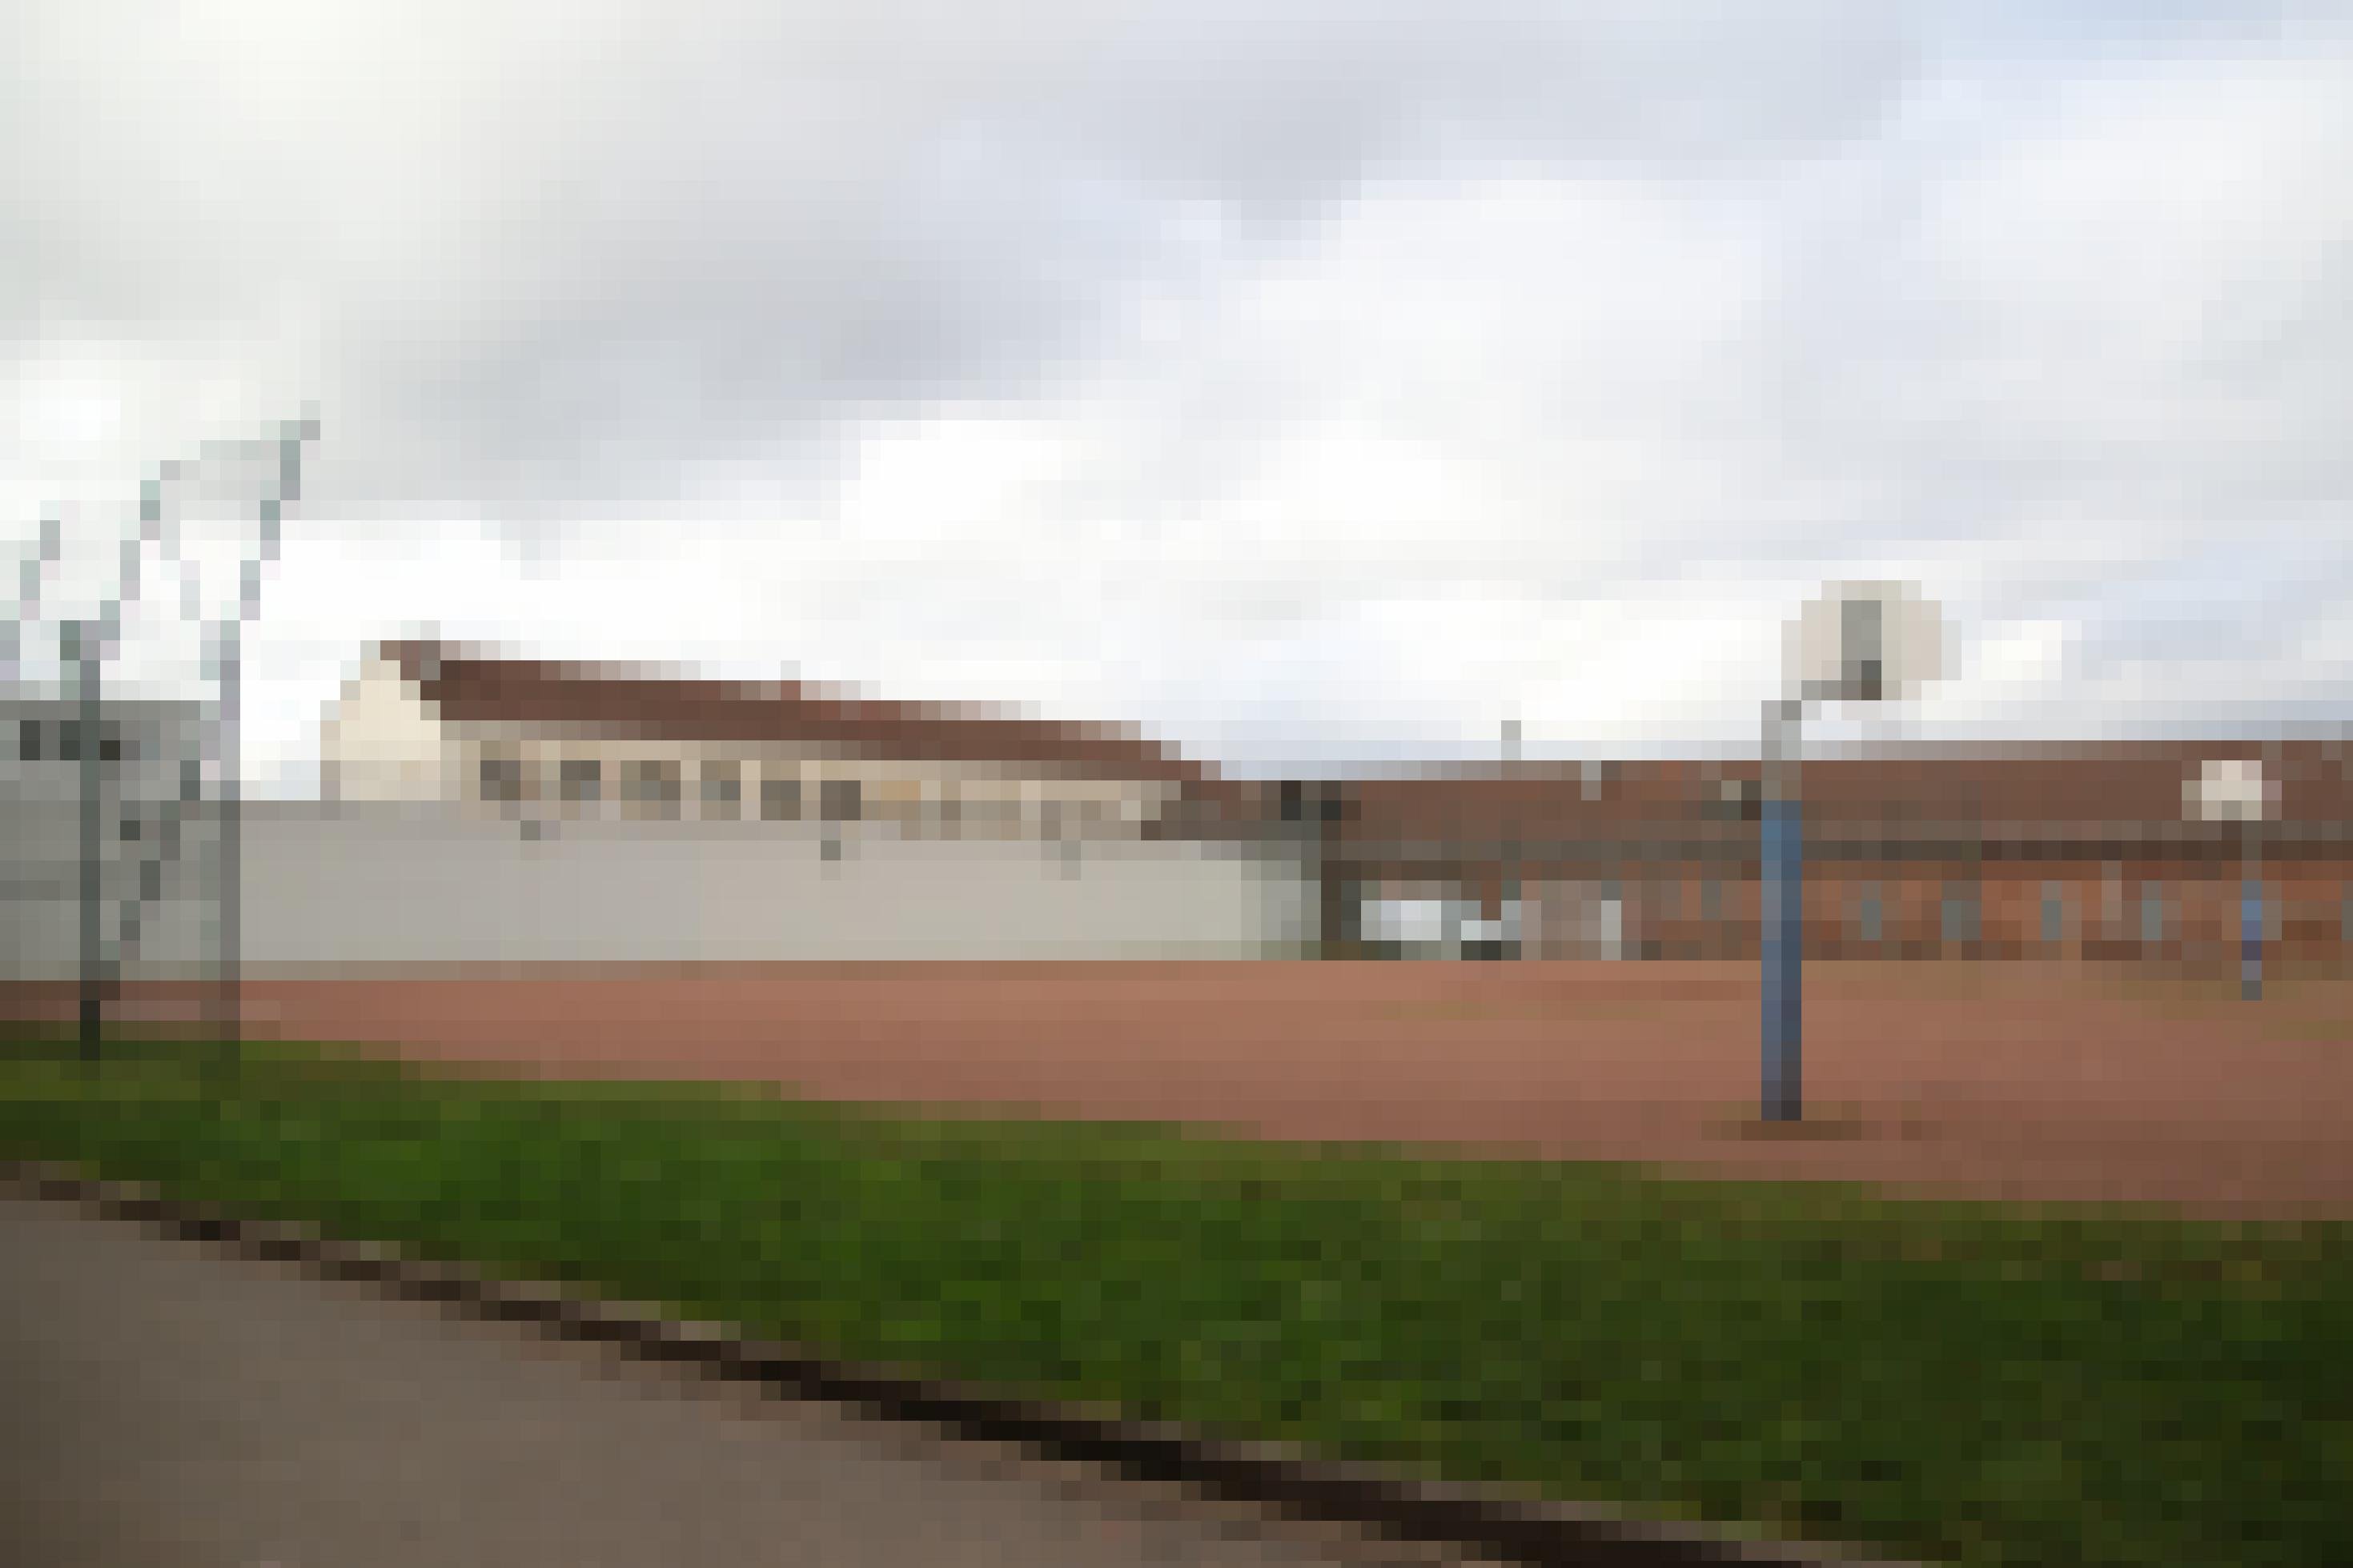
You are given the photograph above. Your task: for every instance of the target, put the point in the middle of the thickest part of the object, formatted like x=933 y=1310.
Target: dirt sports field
x=2038 y=1083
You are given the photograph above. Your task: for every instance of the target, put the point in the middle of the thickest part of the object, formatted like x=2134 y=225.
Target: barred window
x=581 y=779
x=838 y=800
x=780 y=800
x=1868 y=913
x=1960 y=915
x=652 y=785
x=502 y=779
x=722 y=789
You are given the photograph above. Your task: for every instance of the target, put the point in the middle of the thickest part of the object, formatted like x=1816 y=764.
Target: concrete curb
x=1484 y=1521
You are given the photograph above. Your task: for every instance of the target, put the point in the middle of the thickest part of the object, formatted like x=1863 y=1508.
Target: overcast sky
x=1311 y=392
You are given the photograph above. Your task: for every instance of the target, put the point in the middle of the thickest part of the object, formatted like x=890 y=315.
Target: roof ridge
x=468 y=684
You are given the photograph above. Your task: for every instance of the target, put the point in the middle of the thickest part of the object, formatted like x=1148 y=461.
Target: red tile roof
x=471 y=689
x=2078 y=787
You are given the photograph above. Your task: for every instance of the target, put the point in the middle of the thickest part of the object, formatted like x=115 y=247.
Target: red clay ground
x=1996 y=1081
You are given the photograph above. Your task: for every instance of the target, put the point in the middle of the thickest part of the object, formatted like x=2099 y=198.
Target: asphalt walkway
x=163 y=1406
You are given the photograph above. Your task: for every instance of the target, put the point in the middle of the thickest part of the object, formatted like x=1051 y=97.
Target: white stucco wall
x=350 y=886
x=381 y=741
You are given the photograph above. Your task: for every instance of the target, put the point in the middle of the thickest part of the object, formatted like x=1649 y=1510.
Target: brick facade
x=2082 y=853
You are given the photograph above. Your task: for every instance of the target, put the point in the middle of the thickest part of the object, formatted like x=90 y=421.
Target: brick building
x=2097 y=850
x=2081 y=851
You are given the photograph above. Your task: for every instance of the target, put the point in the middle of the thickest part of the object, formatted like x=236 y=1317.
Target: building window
x=2152 y=913
x=652 y=786
x=722 y=789
x=1710 y=899
x=1960 y=916
x=1297 y=801
x=28 y=739
x=502 y=779
x=1868 y=913
x=581 y=780
x=2054 y=914
x=838 y=800
x=1735 y=800
x=780 y=800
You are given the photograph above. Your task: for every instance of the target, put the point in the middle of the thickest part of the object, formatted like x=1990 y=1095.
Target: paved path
x=161 y=1406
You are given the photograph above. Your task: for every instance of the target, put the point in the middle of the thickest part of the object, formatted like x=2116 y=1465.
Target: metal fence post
x=81 y=649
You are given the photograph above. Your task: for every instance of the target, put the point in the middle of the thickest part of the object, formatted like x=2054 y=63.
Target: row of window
x=2155 y=922
x=2155 y=919
x=658 y=785
x=59 y=740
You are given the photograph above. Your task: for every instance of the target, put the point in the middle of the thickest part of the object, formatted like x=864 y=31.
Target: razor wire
x=262 y=476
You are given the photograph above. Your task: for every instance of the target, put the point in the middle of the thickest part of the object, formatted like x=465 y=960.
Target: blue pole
x=1782 y=912
x=1781 y=915
x=2251 y=940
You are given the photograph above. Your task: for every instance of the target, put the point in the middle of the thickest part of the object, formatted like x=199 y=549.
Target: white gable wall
x=382 y=742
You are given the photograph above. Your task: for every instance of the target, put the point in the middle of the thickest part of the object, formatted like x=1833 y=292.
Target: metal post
x=229 y=1021
x=1781 y=911
x=2250 y=914
x=84 y=646
x=230 y=847
x=80 y=650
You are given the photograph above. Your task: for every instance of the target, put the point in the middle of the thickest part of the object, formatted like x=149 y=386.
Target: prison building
x=425 y=721
x=2083 y=851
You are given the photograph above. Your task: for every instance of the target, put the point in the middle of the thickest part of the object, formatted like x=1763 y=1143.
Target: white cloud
x=1313 y=390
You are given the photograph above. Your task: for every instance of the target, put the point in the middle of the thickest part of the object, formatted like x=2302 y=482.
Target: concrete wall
x=145 y=746
x=346 y=886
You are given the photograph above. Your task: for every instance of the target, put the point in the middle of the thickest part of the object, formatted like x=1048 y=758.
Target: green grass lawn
x=1961 y=1383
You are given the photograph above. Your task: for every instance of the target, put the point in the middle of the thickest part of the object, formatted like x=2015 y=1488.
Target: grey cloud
x=548 y=265
x=540 y=257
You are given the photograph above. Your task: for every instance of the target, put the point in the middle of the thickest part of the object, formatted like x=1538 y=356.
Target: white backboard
x=1823 y=655
x=2230 y=791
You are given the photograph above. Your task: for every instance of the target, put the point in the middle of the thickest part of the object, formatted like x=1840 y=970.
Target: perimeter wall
x=336 y=886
